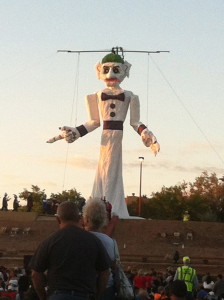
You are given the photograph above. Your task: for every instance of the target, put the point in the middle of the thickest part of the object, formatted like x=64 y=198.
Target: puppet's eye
x=116 y=70
x=106 y=70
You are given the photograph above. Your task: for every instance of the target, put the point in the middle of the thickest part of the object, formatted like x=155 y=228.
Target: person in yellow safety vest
x=186 y=216
x=188 y=275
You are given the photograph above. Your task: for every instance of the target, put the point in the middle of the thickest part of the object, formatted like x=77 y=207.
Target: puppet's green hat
x=112 y=57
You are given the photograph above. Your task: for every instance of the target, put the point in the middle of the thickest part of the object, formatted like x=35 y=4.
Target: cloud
x=188 y=169
x=78 y=162
x=173 y=167
x=50 y=184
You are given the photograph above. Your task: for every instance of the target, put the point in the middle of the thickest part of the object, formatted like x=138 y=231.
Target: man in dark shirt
x=218 y=288
x=76 y=262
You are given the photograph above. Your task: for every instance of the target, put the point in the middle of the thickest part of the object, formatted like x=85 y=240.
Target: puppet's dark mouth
x=111 y=79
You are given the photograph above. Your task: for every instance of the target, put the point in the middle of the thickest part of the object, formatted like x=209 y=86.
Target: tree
x=211 y=190
x=203 y=199
x=168 y=204
x=71 y=195
x=37 y=195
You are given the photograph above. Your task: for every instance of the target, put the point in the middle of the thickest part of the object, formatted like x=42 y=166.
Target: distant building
x=134 y=199
x=131 y=199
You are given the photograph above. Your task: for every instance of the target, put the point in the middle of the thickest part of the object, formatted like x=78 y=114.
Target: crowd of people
x=78 y=262
x=157 y=284
x=14 y=282
x=49 y=206
x=5 y=203
x=150 y=284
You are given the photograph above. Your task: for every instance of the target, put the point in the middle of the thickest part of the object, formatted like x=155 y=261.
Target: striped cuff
x=82 y=130
x=141 y=128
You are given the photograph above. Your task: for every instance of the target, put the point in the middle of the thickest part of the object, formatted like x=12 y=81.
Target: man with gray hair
x=95 y=219
x=76 y=262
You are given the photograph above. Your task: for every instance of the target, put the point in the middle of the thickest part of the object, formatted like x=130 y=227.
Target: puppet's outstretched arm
x=71 y=134
x=147 y=136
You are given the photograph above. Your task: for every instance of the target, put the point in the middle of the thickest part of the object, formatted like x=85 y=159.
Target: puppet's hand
x=55 y=139
x=70 y=134
x=149 y=140
x=155 y=148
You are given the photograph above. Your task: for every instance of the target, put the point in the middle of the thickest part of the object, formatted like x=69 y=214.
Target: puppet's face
x=112 y=73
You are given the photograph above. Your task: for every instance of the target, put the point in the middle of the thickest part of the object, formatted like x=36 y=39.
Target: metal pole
x=140 y=188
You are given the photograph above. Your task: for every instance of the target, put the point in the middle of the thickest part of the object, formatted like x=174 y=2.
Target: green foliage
x=203 y=199
x=38 y=195
x=71 y=195
x=168 y=204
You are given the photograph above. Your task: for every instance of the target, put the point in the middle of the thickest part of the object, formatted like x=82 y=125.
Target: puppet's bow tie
x=108 y=97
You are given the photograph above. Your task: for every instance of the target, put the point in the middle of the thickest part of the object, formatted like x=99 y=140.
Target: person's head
x=177 y=290
x=67 y=212
x=113 y=69
x=161 y=290
x=94 y=215
x=12 y=273
x=128 y=269
x=140 y=272
x=219 y=276
x=208 y=279
x=186 y=260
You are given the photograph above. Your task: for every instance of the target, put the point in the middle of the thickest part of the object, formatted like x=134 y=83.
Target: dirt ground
x=142 y=243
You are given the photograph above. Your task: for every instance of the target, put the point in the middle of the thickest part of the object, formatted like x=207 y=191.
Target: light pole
x=141 y=159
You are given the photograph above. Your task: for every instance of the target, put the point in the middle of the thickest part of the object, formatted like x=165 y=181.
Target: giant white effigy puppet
x=111 y=105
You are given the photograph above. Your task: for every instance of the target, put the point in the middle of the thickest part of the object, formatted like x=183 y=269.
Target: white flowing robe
x=108 y=180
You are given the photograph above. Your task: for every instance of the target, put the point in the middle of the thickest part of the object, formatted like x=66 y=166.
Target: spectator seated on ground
x=24 y=283
x=156 y=281
x=12 y=283
x=142 y=295
x=208 y=284
x=218 y=288
x=178 y=290
x=148 y=281
x=139 y=281
x=202 y=293
x=7 y=296
x=2 y=285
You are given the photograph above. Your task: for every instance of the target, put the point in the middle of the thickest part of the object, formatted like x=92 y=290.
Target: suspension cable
x=74 y=105
x=187 y=110
x=147 y=94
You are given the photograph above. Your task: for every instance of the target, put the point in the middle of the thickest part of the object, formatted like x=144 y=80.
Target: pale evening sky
x=184 y=107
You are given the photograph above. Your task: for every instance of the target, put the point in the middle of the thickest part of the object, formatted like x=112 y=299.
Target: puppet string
x=187 y=110
x=74 y=105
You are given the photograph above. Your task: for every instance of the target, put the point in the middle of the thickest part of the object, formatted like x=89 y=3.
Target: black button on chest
x=112 y=105
x=112 y=114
